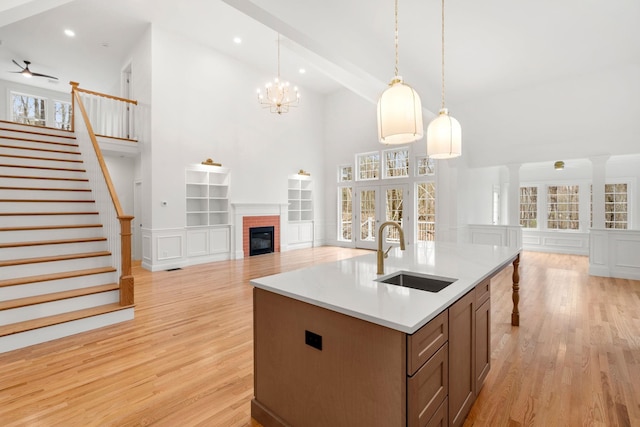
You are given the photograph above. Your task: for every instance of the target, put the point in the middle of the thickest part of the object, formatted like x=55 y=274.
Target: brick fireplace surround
x=260 y=221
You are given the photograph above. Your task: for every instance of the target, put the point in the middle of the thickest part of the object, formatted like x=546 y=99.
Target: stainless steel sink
x=422 y=282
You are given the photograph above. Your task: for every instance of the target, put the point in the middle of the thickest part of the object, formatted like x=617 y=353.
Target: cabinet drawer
x=441 y=417
x=428 y=388
x=426 y=341
x=483 y=291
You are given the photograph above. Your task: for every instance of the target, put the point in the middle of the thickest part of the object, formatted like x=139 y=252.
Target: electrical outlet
x=313 y=340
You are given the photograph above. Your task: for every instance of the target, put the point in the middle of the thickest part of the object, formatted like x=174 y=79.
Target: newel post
x=126 y=279
x=74 y=87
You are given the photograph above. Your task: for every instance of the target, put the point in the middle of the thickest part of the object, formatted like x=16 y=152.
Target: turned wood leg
x=515 y=315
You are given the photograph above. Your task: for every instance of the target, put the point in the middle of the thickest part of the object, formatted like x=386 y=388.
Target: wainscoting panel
x=220 y=240
x=197 y=242
x=169 y=247
x=562 y=242
x=615 y=253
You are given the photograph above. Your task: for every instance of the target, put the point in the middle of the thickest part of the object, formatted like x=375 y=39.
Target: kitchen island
x=334 y=345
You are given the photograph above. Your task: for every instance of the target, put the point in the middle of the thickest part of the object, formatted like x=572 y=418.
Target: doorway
x=375 y=205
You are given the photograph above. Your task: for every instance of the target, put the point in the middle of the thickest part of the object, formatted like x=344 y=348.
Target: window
x=426 y=206
x=28 y=109
x=346 y=213
x=615 y=206
x=62 y=115
x=368 y=166
x=425 y=166
x=529 y=207
x=345 y=173
x=396 y=163
x=563 y=207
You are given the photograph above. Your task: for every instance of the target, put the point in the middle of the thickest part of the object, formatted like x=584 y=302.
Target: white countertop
x=350 y=287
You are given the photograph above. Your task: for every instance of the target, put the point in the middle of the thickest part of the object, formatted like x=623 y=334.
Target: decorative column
x=513 y=194
x=598 y=179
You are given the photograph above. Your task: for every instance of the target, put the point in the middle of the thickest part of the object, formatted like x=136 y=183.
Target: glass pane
x=394 y=208
x=396 y=163
x=426 y=210
x=346 y=213
x=368 y=215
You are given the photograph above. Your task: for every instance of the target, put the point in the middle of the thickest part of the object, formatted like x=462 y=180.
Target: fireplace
x=260 y=240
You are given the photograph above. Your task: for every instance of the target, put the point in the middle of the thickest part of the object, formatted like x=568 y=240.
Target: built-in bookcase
x=207 y=196
x=300 y=198
x=300 y=229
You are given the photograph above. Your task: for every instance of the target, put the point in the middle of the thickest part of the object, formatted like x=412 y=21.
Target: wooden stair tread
x=44 y=177
x=57 y=296
x=46 y=189
x=17 y=138
x=70 y=135
x=51 y=242
x=46 y=150
x=49 y=227
x=53 y=258
x=45 y=213
x=9 y=165
x=51 y=159
x=60 y=318
x=55 y=276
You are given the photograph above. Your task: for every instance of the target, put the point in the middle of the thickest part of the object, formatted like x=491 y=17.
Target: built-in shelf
x=300 y=198
x=207 y=196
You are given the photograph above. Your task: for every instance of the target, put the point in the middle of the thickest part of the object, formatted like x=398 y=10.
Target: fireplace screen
x=260 y=240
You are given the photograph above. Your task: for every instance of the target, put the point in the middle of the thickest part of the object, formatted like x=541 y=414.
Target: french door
x=375 y=205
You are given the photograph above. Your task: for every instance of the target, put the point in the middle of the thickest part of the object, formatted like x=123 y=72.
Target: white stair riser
x=37 y=311
x=52 y=267
x=32 y=289
x=41 y=163
x=42 y=183
x=32 y=220
x=45 y=173
x=48 y=250
x=37 y=336
x=40 y=151
x=42 y=143
x=52 y=234
x=47 y=207
x=45 y=194
x=31 y=131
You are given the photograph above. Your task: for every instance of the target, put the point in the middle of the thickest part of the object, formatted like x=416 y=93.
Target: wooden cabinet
x=483 y=334
x=365 y=374
x=462 y=318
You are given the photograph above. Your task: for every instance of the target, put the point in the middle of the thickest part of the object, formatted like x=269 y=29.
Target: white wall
x=477 y=190
x=208 y=109
x=578 y=117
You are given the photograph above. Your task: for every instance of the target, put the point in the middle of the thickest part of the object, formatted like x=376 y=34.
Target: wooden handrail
x=126 y=278
x=104 y=95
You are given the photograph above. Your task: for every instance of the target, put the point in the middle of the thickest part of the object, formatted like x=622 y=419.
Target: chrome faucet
x=382 y=255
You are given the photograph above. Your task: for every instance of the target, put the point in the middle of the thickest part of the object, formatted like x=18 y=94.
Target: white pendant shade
x=399 y=114
x=444 y=137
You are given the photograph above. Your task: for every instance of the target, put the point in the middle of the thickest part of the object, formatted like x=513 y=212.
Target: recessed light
x=302 y=71
x=69 y=33
x=237 y=40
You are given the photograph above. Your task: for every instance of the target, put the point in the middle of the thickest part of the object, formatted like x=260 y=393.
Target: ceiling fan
x=25 y=71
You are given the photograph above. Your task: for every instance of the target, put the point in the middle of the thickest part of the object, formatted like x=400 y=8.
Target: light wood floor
x=187 y=358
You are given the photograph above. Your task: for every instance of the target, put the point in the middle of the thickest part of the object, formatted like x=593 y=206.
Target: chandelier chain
x=396 y=38
x=278 y=56
x=442 y=54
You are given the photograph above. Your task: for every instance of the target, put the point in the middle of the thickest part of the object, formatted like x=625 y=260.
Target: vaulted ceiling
x=492 y=46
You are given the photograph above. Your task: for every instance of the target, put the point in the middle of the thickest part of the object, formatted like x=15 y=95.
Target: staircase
x=57 y=277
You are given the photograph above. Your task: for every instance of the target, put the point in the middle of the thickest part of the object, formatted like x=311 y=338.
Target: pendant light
x=399 y=108
x=444 y=134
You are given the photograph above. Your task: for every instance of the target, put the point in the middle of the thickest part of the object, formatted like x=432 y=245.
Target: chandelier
x=279 y=95
x=399 y=108
x=444 y=134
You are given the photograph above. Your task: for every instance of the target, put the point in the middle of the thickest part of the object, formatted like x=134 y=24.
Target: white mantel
x=242 y=209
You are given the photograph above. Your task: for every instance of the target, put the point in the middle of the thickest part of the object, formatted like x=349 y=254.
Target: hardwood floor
x=187 y=357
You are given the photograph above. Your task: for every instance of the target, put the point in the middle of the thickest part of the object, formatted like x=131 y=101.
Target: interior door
x=377 y=204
